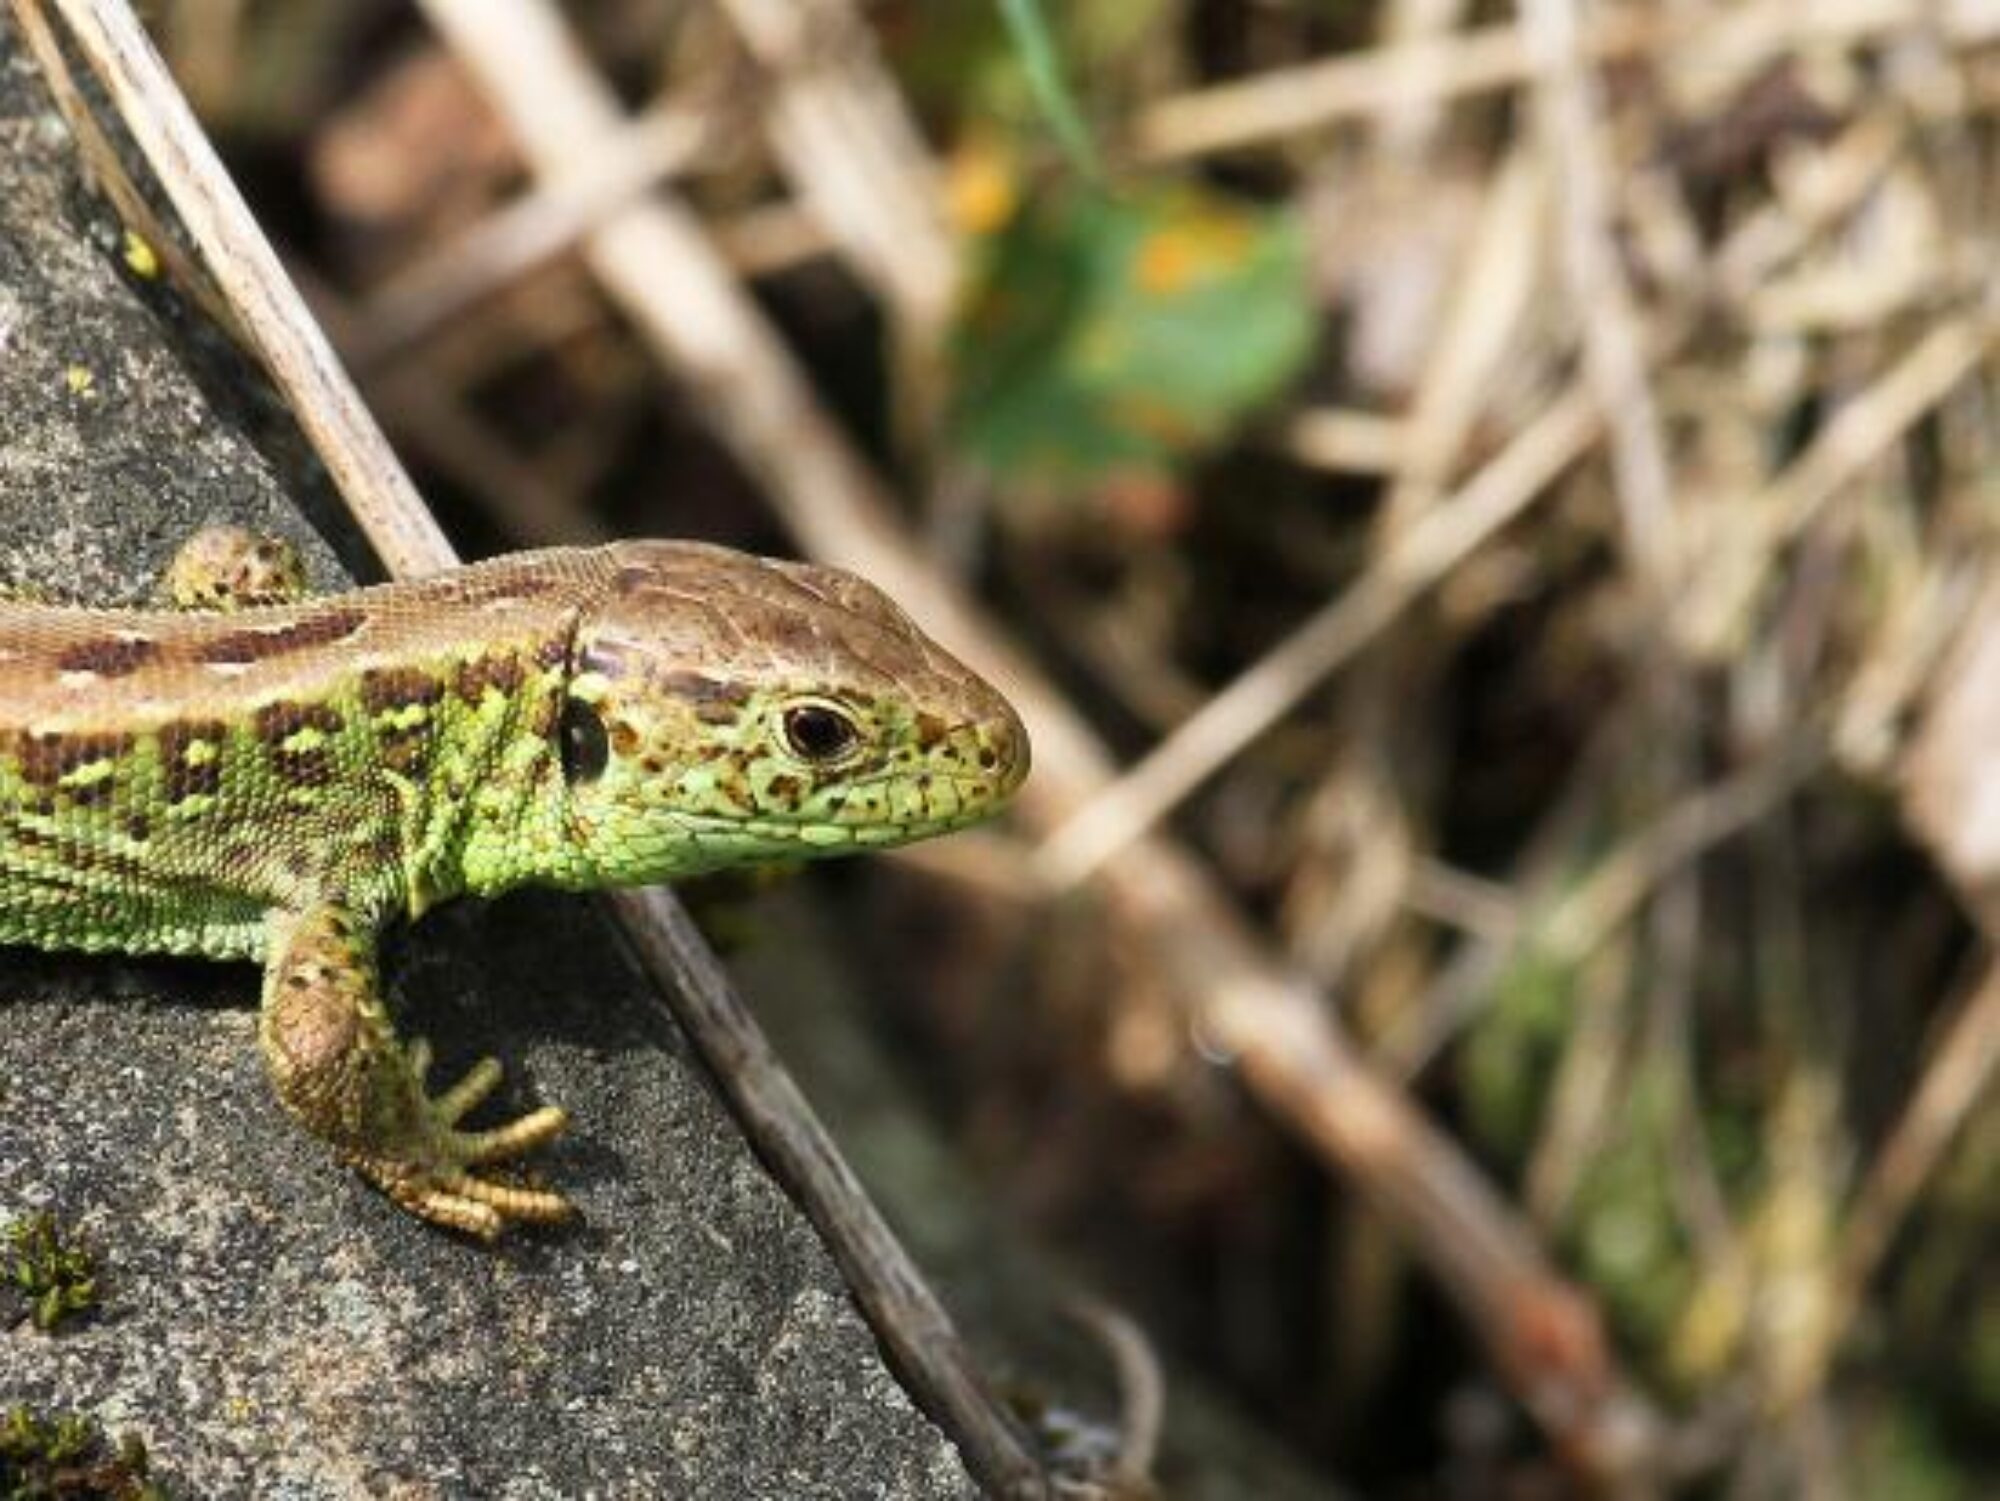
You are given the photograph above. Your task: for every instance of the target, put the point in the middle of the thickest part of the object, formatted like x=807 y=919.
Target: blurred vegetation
x=1599 y=842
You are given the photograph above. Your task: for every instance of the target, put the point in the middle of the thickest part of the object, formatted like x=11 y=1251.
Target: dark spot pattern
x=404 y=748
x=503 y=672
x=92 y=794
x=384 y=689
x=274 y=722
x=182 y=777
x=108 y=656
x=585 y=752
x=47 y=756
x=298 y=766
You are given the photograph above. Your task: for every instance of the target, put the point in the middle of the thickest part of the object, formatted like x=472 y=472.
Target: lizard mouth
x=973 y=801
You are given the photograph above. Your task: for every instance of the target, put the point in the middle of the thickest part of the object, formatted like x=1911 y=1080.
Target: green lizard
x=279 y=783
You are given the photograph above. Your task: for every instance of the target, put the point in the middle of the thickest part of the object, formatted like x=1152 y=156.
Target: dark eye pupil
x=584 y=747
x=817 y=734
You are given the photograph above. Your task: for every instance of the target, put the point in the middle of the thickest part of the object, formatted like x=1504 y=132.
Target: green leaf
x=1108 y=336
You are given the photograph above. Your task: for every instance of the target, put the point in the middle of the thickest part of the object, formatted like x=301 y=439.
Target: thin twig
x=1142 y=1391
x=1282 y=102
x=1614 y=350
x=1856 y=436
x=905 y=1312
x=1953 y=1082
x=1613 y=891
x=851 y=153
x=532 y=229
x=1346 y=441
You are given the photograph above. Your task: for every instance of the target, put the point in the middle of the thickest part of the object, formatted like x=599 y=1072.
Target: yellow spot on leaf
x=1171 y=260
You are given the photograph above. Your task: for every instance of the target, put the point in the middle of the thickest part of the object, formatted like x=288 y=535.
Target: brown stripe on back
x=108 y=656
x=260 y=644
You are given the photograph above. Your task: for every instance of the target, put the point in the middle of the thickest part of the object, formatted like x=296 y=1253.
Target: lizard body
x=280 y=783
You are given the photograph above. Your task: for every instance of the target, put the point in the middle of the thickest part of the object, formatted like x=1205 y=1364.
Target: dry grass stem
x=1347 y=441
x=1280 y=103
x=541 y=224
x=851 y=153
x=1614 y=355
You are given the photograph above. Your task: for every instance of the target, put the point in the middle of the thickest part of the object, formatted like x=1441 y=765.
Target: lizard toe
x=512 y=1139
x=449 y=1108
x=456 y=1211
x=511 y=1202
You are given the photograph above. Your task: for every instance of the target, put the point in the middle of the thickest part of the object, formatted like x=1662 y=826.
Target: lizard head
x=723 y=708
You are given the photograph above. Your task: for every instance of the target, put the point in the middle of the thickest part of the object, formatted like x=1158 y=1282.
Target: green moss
x=68 y=1458
x=53 y=1273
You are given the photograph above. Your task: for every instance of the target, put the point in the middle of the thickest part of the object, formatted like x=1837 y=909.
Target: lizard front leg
x=339 y=1067
x=222 y=569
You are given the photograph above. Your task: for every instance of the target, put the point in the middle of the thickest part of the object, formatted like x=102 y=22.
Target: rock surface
x=271 y=1325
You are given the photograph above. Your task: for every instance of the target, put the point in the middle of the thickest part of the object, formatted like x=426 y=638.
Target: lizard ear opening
x=585 y=749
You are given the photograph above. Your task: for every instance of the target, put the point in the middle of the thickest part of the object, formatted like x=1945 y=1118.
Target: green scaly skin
x=280 y=782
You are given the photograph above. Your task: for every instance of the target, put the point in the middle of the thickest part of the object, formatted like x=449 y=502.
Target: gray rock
x=270 y=1324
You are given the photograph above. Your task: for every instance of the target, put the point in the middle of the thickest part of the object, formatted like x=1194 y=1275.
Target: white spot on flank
x=76 y=679
x=226 y=669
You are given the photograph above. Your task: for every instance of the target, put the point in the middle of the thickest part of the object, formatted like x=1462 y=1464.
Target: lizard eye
x=585 y=750
x=818 y=732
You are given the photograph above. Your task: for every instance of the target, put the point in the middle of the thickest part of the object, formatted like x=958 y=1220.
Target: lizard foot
x=429 y=1172
x=222 y=569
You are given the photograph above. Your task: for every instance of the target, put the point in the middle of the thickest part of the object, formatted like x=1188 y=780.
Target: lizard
x=259 y=775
